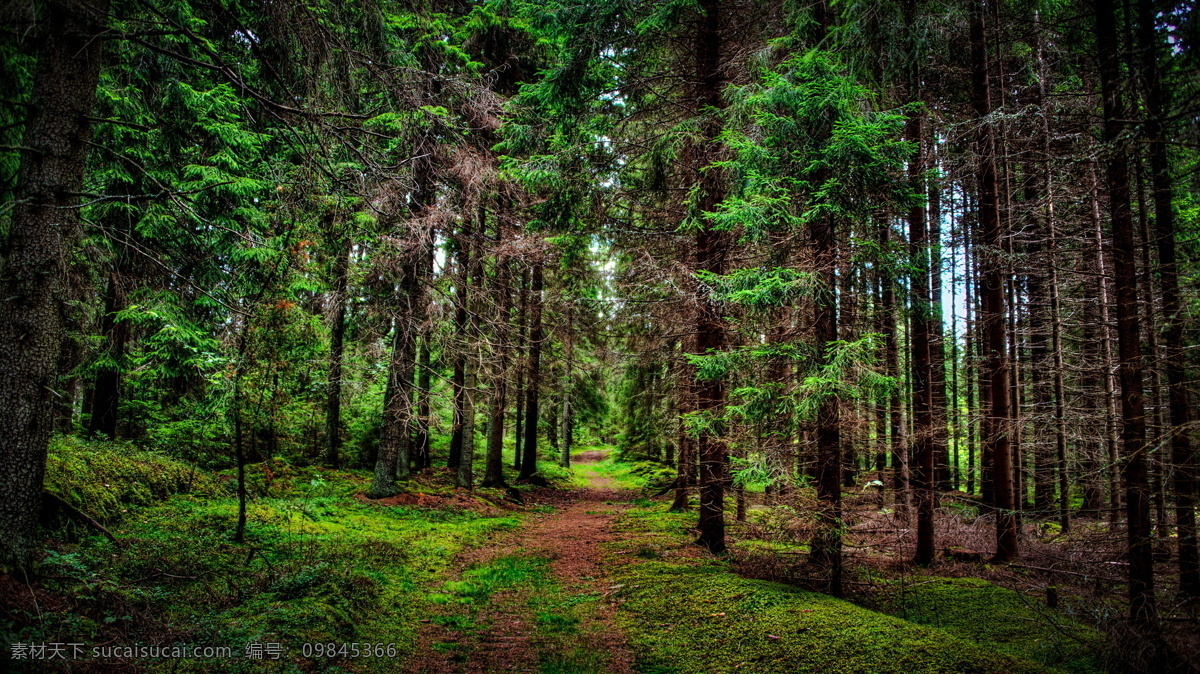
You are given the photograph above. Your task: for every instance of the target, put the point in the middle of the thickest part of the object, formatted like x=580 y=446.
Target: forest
x=600 y=335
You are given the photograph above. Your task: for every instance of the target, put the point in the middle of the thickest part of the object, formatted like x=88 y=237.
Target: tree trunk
x=41 y=234
x=493 y=475
x=712 y=248
x=522 y=358
x=421 y=443
x=992 y=310
x=534 y=381
x=107 y=388
x=397 y=404
x=337 y=334
x=472 y=266
x=1133 y=421
x=922 y=368
x=458 y=381
x=1182 y=455
x=567 y=386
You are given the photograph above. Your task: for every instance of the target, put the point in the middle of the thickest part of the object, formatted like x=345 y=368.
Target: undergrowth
x=318 y=565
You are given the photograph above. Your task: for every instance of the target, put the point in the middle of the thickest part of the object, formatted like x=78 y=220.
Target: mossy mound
x=984 y=613
x=105 y=479
x=703 y=618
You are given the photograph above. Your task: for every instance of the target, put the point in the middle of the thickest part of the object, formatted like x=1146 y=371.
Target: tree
x=1133 y=420
x=42 y=230
x=992 y=304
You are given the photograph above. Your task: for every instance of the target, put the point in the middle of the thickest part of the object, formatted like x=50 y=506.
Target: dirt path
x=515 y=630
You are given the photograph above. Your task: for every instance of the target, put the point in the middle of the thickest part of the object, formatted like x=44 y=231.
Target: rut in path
x=505 y=636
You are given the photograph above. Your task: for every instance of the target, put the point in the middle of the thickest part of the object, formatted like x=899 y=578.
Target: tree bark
x=522 y=357
x=493 y=475
x=107 y=388
x=337 y=334
x=1182 y=454
x=421 y=443
x=458 y=381
x=1133 y=421
x=922 y=367
x=42 y=232
x=534 y=380
x=992 y=310
x=712 y=249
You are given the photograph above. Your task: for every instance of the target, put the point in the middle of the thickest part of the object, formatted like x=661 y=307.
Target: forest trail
x=551 y=609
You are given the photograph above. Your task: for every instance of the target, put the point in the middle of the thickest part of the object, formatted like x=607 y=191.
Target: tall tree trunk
x=712 y=248
x=1182 y=455
x=493 y=475
x=458 y=380
x=922 y=368
x=827 y=543
x=471 y=261
x=337 y=335
x=107 y=388
x=567 y=387
x=992 y=311
x=534 y=382
x=892 y=369
x=421 y=443
x=970 y=362
x=522 y=359
x=1133 y=421
x=1110 y=384
x=397 y=404
x=947 y=470
x=41 y=235
x=1056 y=341
x=827 y=540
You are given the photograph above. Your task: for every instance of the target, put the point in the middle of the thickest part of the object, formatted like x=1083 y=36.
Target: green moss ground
x=318 y=565
x=984 y=613
x=322 y=565
x=691 y=613
x=633 y=476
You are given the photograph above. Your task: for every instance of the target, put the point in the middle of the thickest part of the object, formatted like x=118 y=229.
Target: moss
x=778 y=547
x=317 y=566
x=689 y=613
x=983 y=613
x=106 y=479
x=703 y=618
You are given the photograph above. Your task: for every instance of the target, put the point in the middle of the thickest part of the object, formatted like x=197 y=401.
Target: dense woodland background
x=938 y=253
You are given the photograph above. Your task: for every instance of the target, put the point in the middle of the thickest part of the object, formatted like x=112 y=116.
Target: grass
x=632 y=476
x=519 y=588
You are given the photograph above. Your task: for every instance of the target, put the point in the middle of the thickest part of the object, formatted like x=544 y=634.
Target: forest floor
x=608 y=582
x=592 y=575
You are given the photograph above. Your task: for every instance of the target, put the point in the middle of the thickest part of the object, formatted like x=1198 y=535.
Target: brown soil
x=508 y=639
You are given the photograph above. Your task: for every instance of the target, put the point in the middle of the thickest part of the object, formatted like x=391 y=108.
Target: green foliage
x=761 y=288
